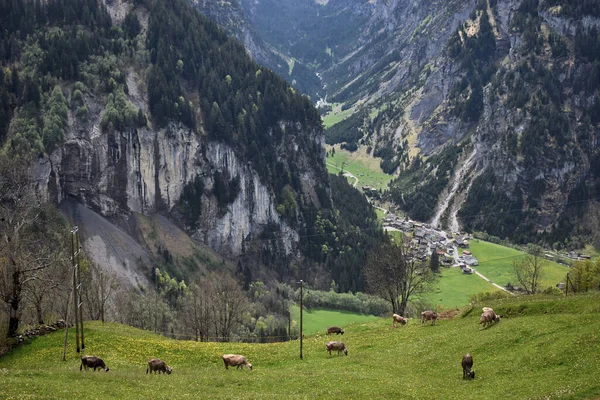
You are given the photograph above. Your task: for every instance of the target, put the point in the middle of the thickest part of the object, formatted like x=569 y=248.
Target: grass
x=317 y=320
x=361 y=165
x=454 y=288
x=495 y=262
x=336 y=115
x=529 y=354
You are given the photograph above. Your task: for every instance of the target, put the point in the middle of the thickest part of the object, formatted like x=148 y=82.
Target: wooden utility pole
x=79 y=303
x=64 y=357
x=75 y=299
x=102 y=296
x=301 y=310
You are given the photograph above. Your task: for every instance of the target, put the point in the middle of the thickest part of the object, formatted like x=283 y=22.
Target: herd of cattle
x=235 y=360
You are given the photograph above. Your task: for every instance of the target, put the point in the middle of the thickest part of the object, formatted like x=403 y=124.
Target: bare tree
x=195 y=311
x=26 y=236
x=394 y=273
x=529 y=270
x=98 y=286
x=42 y=290
x=227 y=303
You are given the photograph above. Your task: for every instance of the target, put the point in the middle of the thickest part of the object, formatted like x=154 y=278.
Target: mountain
x=151 y=127
x=486 y=110
x=234 y=16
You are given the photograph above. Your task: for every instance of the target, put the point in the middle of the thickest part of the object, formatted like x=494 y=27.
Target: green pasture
x=453 y=289
x=317 y=320
x=542 y=348
x=361 y=165
x=496 y=263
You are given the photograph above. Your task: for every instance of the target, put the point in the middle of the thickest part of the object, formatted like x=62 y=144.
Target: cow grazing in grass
x=467 y=364
x=335 y=329
x=429 y=316
x=339 y=346
x=92 y=362
x=236 y=360
x=157 y=365
x=488 y=317
x=399 y=319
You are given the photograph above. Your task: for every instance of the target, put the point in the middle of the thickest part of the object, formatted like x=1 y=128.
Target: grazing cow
x=488 y=317
x=397 y=318
x=335 y=329
x=157 y=365
x=92 y=362
x=339 y=346
x=235 y=360
x=467 y=364
x=429 y=316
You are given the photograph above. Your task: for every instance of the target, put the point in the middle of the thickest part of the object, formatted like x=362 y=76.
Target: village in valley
x=427 y=240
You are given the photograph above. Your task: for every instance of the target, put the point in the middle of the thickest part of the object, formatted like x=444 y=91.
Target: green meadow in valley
x=544 y=347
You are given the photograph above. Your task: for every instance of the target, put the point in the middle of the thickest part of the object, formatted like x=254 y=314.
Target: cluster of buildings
x=426 y=240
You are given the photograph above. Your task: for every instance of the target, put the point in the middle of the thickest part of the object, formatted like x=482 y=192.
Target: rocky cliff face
x=109 y=176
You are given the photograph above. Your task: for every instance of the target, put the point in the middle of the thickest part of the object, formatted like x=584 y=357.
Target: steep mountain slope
x=485 y=109
x=236 y=19
x=137 y=108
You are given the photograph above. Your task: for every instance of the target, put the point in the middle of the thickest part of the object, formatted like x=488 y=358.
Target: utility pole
x=79 y=302
x=75 y=299
x=64 y=357
x=102 y=296
x=301 y=332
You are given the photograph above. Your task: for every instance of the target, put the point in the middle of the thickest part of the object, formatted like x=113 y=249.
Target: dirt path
x=346 y=173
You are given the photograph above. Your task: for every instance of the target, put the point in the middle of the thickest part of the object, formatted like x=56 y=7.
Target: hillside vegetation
x=544 y=347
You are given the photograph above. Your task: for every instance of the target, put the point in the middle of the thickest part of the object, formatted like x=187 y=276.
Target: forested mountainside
x=152 y=127
x=487 y=110
x=235 y=18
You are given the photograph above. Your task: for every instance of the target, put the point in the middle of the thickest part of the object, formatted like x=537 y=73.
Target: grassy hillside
x=495 y=262
x=529 y=354
x=454 y=288
x=365 y=167
x=315 y=321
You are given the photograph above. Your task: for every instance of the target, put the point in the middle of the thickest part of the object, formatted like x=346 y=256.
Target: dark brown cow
x=335 y=329
x=157 y=365
x=92 y=362
x=467 y=364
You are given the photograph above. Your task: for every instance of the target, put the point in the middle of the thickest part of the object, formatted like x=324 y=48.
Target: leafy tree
x=585 y=275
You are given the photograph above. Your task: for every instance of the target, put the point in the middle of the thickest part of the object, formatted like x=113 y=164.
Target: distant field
x=361 y=165
x=454 y=288
x=544 y=348
x=317 y=320
x=336 y=115
x=495 y=262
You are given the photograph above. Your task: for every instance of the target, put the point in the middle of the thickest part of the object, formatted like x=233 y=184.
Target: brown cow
x=236 y=360
x=429 y=316
x=488 y=317
x=335 y=329
x=92 y=362
x=398 y=318
x=157 y=365
x=467 y=364
x=339 y=346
